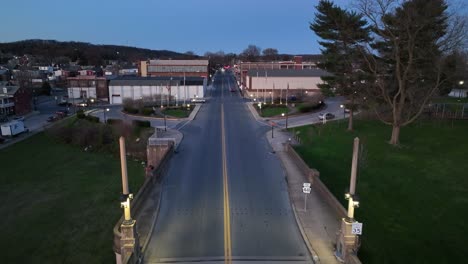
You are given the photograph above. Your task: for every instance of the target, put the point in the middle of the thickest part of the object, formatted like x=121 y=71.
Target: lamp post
x=260 y=106
x=165 y=126
x=105 y=119
x=283 y=114
x=272 y=125
x=344 y=111
x=271 y=94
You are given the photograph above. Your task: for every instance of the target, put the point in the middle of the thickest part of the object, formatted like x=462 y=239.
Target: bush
x=93 y=119
x=147 y=111
x=131 y=110
x=111 y=121
x=80 y=114
x=307 y=107
x=141 y=123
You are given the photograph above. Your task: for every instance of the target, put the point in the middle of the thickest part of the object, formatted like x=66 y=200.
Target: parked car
x=82 y=104
x=198 y=100
x=52 y=119
x=326 y=116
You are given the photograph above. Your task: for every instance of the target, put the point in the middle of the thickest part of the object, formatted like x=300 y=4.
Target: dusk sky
x=178 y=25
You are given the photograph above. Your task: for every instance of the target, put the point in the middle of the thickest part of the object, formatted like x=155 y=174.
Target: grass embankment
x=59 y=202
x=178 y=112
x=269 y=110
x=413 y=197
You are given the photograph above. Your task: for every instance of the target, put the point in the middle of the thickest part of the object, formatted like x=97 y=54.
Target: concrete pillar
x=156 y=153
x=129 y=242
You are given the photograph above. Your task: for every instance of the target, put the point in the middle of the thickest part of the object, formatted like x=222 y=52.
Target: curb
x=315 y=257
x=154 y=218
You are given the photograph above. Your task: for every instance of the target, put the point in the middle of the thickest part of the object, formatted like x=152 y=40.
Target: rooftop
x=179 y=62
x=288 y=73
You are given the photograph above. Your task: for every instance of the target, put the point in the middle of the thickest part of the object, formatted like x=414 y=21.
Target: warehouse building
x=156 y=88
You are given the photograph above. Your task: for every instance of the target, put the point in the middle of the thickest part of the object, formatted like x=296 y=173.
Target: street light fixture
x=344 y=111
x=105 y=119
x=283 y=114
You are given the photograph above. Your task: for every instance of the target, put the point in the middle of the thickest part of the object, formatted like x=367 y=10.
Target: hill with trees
x=52 y=51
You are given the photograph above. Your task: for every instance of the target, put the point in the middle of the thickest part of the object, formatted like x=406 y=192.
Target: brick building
x=14 y=100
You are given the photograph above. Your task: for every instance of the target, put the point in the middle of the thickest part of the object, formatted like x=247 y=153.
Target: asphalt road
x=225 y=193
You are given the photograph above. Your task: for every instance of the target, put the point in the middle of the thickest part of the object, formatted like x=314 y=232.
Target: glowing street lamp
x=105 y=119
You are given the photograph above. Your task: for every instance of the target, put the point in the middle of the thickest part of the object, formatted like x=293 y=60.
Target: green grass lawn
x=270 y=111
x=450 y=100
x=414 y=201
x=179 y=113
x=59 y=202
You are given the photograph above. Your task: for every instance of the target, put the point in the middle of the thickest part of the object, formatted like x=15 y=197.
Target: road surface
x=225 y=196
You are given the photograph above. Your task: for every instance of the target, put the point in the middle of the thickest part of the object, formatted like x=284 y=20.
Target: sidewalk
x=318 y=223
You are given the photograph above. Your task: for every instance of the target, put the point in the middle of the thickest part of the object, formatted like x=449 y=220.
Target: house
x=14 y=100
x=156 y=88
x=174 y=68
x=278 y=82
x=4 y=74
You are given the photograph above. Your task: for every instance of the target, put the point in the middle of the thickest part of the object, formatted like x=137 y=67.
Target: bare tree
x=404 y=62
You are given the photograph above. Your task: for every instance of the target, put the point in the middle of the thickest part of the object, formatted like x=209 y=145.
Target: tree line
x=51 y=51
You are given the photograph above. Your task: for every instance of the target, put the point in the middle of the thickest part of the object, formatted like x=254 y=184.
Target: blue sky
x=178 y=25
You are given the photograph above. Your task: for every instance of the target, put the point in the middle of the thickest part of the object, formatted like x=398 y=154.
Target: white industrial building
x=277 y=81
x=156 y=88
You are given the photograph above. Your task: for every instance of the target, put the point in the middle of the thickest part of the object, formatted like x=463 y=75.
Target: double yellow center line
x=227 y=215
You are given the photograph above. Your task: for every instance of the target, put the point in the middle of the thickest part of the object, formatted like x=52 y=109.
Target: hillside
x=52 y=51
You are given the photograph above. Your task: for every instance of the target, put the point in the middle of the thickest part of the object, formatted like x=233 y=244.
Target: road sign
x=356 y=228
x=306 y=189
x=306 y=184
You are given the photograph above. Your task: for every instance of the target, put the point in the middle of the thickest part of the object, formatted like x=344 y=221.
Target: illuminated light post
x=105 y=110
x=344 y=111
x=283 y=114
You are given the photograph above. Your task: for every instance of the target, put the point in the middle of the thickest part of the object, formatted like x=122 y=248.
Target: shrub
x=147 y=111
x=93 y=119
x=111 y=121
x=131 y=110
x=141 y=123
x=80 y=114
x=304 y=108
